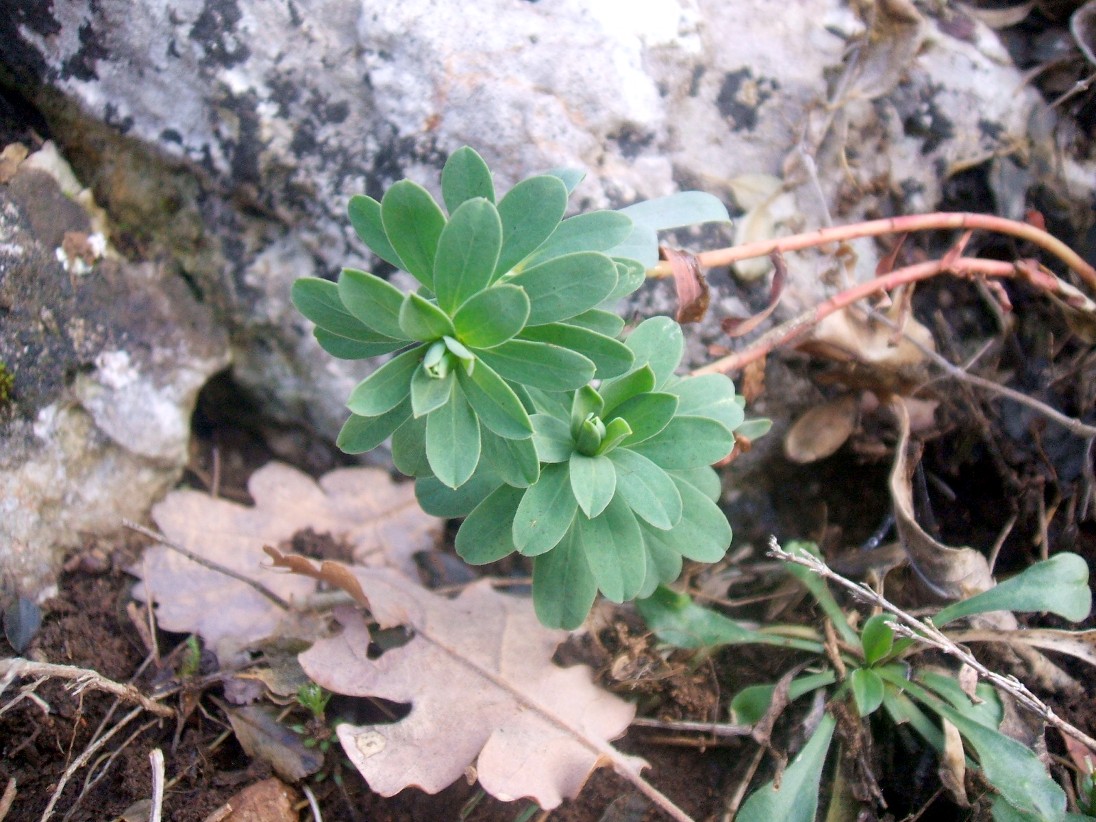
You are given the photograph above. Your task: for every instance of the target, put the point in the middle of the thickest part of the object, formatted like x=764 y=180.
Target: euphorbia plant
x=511 y=397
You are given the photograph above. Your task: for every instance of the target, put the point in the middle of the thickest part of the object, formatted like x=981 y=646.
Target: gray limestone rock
x=107 y=358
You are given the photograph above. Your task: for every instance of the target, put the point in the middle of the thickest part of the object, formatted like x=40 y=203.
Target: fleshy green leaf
x=647 y=489
x=646 y=415
x=657 y=342
x=530 y=212
x=409 y=448
x=867 y=690
x=614 y=550
x=421 y=320
x=487 y=535
x=361 y=434
x=877 y=638
x=515 y=461
x=439 y=500
x=365 y=215
x=752 y=703
x=347 y=349
x=663 y=566
x=797 y=799
x=563 y=585
x=318 y=300
x=492 y=317
x=593 y=481
x=677 y=620
x=754 y=429
x=704 y=479
x=386 y=387
x=429 y=393
x=552 y=438
x=592 y=231
x=688 y=442
x=546 y=512
x=677 y=210
x=703 y=533
x=468 y=250
x=610 y=357
x=586 y=402
x=413 y=223
x=709 y=395
x=498 y=407
x=566 y=286
x=617 y=390
x=464 y=177
x=1058 y=585
x=453 y=440
x=539 y=365
x=630 y=276
x=602 y=322
x=373 y=301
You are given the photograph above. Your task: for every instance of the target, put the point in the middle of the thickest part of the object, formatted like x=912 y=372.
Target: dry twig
x=156 y=759
x=82 y=677
x=926 y=632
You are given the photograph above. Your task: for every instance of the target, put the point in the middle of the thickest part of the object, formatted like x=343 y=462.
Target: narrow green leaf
x=464 y=177
x=421 y=320
x=539 y=365
x=563 y=287
x=386 y=387
x=601 y=322
x=492 y=317
x=903 y=710
x=1058 y=585
x=615 y=391
x=429 y=393
x=677 y=620
x=409 y=448
x=361 y=434
x=867 y=690
x=647 y=489
x=468 y=250
x=365 y=215
x=703 y=533
x=610 y=357
x=545 y=513
x=514 y=460
x=709 y=395
x=373 y=301
x=688 y=442
x=439 y=500
x=413 y=223
x=646 y=415
x=657 y=342
x=552 y=438
x=592 y=231
x=877 y=638
x=495 y=402
x=797 y=799
x=593 y=481
x=318 y=300
x=563 y=585
x=751 y=704
x=530 y=212
x=988 y=710
x=820 y=591
x=613 y=546
x=453 y=440
x=486 y=535
x=347 y=349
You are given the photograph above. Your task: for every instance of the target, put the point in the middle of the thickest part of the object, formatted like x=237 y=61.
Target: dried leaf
x=999 y=17
x=848 y=336
x=380 y=519
x=10 y=158
x=740 y=326
x=693 y=294
x=484 y=690
x=22 y=619
x=268 y=801
x=894 y=36
x=822 y=430
x=953 y=765
x=761 y=222
x=1079 y=644
x=953 y=573
x=264 y=738
x=1082 y=24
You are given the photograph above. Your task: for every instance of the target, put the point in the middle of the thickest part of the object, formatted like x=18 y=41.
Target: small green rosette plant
x=510 y=396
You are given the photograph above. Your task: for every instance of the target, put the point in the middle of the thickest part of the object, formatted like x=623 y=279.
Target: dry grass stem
x=82 y=678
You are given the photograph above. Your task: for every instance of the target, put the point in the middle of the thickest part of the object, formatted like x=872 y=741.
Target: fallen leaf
x=953 y=765
x=268 y=801
x=848 y=336
x=693 y=294
x=264 y=738
x=10 y=158
x=478 y=672
x=1082 y=24
x=1079 y=644
x=890 y=45
x=822 y=430
x=379 y=518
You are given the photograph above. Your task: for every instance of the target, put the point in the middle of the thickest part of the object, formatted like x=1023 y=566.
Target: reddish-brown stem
x=798 y=326
x=898 y=225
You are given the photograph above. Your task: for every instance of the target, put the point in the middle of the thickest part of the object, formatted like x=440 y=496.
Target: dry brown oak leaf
x=478 y=673
x=363 y=506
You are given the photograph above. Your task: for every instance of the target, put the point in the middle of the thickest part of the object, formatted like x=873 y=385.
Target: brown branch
x=83 y=677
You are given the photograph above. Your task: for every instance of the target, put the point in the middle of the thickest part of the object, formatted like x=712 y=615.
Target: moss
x=7 y=383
